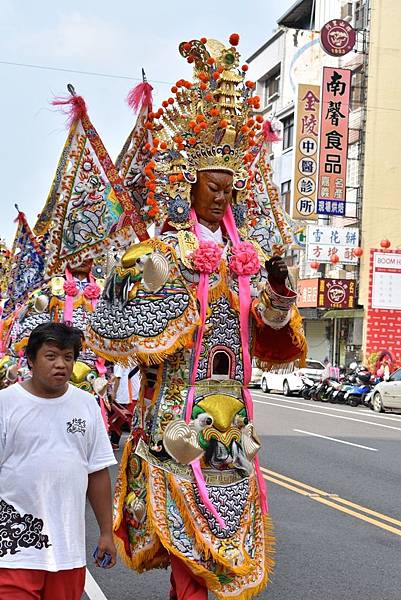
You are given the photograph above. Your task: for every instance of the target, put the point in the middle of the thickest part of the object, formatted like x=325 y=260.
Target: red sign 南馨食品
x=336 y=293
x=337 y=37
x=334 y=118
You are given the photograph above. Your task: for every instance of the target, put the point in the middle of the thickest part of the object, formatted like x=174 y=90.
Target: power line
x=93 y=73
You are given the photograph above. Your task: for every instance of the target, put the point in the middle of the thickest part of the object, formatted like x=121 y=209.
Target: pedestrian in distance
x=54 y=452
x=124 y=394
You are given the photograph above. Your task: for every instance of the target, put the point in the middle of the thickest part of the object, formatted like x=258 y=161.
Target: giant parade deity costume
x=193 y=307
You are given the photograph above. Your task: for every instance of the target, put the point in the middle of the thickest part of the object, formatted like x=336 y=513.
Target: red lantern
x=357 y=251
x=385 y=244
x=314 y=265
x=334 y=259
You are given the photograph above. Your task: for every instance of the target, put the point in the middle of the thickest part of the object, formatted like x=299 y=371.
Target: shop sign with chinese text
x=337 y=37
x=336 y=293
x=326 y=293
x=386 y=280
x=333 y=151
x=305 y=155
x=307 y=293
x=383 y=330
x=323 y=241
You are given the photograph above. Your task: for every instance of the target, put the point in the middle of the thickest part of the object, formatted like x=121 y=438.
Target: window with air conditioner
x=346 y=11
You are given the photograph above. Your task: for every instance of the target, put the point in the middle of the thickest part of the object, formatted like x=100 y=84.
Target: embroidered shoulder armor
x=147 y=311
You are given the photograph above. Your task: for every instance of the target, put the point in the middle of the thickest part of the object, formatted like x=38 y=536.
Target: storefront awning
x=346 y=313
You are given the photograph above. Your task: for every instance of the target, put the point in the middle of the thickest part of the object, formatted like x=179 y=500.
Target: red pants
x=34 y=584
x=184 y=585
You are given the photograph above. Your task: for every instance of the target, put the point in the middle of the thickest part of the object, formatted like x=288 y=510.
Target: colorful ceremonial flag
x=135 y=153
x=26 y=273
x=88 y=208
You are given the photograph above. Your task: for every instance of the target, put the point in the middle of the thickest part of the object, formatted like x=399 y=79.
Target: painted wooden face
x=211 y=194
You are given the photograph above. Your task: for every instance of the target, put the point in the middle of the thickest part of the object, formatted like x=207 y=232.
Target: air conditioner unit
x=346 y=11
x=337 y=274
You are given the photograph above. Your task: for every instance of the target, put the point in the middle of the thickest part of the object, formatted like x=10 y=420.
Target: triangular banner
x=88 y=209
x=135 y=154
x=26 y=272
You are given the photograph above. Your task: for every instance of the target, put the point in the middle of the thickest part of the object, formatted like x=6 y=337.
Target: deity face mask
x=211 y=194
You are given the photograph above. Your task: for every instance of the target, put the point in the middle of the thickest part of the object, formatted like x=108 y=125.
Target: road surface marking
x=316 y=412
x=370 y=415
x=92 y=590
x=326 y=437
x=317 y=494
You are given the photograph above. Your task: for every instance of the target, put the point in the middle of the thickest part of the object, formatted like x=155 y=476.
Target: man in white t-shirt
x=54 y=452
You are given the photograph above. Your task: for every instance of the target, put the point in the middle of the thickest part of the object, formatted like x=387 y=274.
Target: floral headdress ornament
x=204 y=125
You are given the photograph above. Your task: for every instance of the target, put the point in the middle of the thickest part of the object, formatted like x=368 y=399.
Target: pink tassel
x=100 y=365
x=268 y=132
x=75 y=108
x=201 y=485
x=19 y=364
x=68 y=300
x=140 y=97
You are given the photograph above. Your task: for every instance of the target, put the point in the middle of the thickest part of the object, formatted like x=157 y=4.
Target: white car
x=256 y=376
x=289 y=383
x=387 y=394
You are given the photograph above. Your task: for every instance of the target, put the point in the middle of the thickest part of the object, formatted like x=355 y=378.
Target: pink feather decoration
x=268 y=132
x=75 y=108
x=140 y=97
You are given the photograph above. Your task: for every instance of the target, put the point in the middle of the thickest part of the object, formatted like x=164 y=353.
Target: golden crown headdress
x=204 y=125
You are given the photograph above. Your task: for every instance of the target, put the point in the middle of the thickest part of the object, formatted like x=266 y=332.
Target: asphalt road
x=335 y=504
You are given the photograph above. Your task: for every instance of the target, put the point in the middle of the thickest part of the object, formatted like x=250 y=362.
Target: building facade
x=292 y=56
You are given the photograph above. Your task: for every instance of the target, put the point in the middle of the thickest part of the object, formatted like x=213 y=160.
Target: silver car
x=387 y=394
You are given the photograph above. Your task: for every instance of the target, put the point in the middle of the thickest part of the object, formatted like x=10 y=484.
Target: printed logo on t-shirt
x=76 y=425
x=19 y=531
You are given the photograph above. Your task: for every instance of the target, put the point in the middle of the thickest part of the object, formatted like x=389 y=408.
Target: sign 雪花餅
x=305 y=155
x=324 y=241
x=334 y=117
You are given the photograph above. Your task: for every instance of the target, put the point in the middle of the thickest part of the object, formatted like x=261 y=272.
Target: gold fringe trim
x=200 y=540
x=218 y=290
x=21 y=345
x=122 y=478
x=210 y=579
x=148 y=358
x=269 y=542
x=58 y=303
x=143 y=560
x=298 y=335
x=298 y=339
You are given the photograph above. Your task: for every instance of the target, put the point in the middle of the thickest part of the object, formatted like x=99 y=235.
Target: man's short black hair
x=59 y=334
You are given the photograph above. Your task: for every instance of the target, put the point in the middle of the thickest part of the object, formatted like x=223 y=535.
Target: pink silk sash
x=244 y=290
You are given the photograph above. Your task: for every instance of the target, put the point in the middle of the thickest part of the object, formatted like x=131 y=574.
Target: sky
x=113 y=38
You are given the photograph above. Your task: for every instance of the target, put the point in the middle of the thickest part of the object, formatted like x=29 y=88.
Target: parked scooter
x=359 y=393
x=307 y=386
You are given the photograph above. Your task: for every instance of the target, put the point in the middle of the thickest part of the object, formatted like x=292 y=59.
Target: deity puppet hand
x=277 y=270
